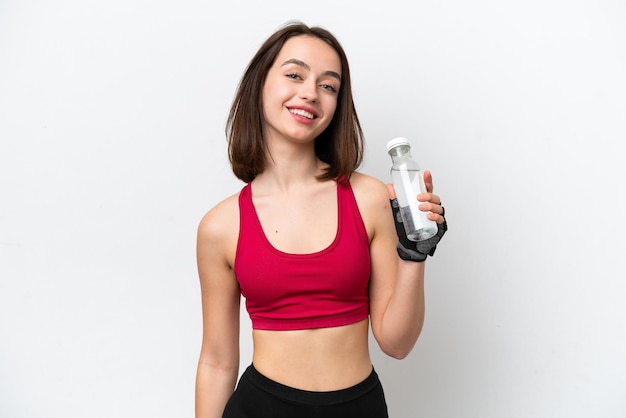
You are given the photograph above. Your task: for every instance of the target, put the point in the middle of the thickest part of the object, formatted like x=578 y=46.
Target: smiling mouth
x=303 y=113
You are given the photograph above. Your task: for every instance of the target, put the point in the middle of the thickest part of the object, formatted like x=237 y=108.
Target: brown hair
x=341 y=143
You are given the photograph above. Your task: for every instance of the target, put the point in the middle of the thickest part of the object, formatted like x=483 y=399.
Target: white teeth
x=302 y=113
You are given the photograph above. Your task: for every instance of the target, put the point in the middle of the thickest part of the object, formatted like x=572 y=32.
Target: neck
x=289 y=168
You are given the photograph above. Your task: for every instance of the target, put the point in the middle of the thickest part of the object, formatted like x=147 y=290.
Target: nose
x=308 y=91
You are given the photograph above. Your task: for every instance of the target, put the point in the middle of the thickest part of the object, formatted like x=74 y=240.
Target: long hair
x=340 y=145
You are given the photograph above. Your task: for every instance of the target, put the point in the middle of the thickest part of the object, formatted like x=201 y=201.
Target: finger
x=436 y=217
x=437 y=209
x=428 y=181
x=391 y=191
x=429 y=197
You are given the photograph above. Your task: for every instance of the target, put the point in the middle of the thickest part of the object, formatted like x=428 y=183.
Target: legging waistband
x=307 y=397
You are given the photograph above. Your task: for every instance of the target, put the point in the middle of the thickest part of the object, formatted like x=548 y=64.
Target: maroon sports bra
x=286 y=291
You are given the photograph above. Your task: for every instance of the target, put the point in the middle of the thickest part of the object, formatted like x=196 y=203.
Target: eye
x=329 y=88
x=294 y=76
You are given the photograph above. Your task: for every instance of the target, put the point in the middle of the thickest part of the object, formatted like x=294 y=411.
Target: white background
x=112 y=148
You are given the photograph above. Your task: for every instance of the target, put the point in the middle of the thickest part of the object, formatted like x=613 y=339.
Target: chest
x=299 y=223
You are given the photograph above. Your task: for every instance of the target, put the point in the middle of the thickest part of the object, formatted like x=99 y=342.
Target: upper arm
x=216 y=246
x=373 y=199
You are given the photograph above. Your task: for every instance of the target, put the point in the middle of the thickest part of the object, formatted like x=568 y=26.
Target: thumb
x=428 y=181
x=391 y=191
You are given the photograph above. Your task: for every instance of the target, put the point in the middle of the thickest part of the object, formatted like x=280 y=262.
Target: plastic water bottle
x=408 y=181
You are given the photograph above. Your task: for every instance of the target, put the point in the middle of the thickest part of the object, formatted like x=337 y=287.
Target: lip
x=309 y=110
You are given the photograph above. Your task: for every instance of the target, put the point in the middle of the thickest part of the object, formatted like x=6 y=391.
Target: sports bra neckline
x=280 y=252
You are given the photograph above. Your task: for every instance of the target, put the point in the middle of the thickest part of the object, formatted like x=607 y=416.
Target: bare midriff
x=323 y=359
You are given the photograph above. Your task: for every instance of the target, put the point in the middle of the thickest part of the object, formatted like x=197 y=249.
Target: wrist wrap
x=411 y=250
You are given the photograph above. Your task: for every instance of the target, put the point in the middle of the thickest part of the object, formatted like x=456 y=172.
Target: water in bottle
x=408 y=182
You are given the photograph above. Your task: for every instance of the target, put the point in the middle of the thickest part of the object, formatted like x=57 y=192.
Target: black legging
x=257 y=396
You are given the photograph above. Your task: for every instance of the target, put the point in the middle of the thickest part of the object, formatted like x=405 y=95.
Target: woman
x=309 y=242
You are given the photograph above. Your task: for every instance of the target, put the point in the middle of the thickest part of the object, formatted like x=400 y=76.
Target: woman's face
x=301 y=90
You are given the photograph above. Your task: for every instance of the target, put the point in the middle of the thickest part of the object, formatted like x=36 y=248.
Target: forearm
x=214 y=386
x=404 y=317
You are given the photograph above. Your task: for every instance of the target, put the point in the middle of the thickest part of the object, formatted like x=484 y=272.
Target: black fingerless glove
x=411 y=250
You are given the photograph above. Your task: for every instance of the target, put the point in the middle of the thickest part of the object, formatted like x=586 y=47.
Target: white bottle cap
x=397 y=141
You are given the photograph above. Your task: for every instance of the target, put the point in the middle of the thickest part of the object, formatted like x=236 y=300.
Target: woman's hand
x=431 y=203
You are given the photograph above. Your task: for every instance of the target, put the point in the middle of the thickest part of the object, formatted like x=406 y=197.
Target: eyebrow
x=304 y=65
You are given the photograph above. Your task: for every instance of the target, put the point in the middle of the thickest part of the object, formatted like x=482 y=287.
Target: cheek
x=334 y=106
x=330 y=108
x=271 y=98
x=276 y=92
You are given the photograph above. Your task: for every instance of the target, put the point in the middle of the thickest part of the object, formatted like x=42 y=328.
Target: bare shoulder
x=373 y=200
x=218 y=229
x=369 y=191
x=218 y=217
